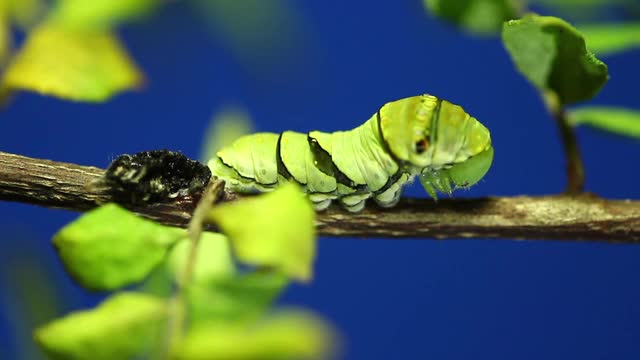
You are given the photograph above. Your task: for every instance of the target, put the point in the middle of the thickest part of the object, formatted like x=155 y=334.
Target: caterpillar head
x=436 y=137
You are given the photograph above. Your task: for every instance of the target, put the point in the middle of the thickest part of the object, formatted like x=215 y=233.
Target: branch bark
x=556 y=217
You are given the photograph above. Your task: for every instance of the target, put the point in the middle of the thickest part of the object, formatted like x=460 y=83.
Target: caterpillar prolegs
x=420 y=135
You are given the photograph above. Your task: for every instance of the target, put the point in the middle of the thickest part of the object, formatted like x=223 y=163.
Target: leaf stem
x=575 y=168
x=178 y=304
x=210 y=194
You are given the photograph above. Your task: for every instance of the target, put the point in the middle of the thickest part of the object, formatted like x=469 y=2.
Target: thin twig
x=558 y=217
x=177 y=310
x=195 y=227
x=575 y=168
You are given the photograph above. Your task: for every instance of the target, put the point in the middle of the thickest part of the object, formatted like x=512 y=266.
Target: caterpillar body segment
x=420 y=135
x=249 y=163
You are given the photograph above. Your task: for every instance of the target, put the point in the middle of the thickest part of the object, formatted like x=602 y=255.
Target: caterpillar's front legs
x=434 y=181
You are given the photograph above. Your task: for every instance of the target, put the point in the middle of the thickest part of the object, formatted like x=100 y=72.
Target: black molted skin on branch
x=155 y=176
x=558 y=217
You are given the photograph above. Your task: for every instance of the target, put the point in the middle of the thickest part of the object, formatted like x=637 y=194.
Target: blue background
x=392 y=299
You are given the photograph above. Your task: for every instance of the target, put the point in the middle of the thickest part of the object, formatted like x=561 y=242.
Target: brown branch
x=561 y=217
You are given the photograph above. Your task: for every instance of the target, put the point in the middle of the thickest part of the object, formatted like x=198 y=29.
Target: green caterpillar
x=420 y=135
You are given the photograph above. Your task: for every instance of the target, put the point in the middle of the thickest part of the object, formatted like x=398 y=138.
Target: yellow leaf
x=275 y=229
x=72 y=65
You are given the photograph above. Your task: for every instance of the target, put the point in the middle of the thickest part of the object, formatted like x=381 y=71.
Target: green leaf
x=581 y=3
x=276 y=229
x=584 y=11
x=95 y=67
x=99 y=14
x=125 y=325
x=476 y=16
x=552 y=55
x=606 y=39
x=213 y=260
x=271 y=37
x=110 y=247
x=226 y=126
x=240 y=299
x=616 y=120
x=291 y=335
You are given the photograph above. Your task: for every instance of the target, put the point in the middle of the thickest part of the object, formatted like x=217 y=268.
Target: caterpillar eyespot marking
x=420 y=135
x=421 y=146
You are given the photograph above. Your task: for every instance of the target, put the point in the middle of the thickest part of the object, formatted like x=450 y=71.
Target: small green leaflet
x=275 y=229
x=484 y=17
x=608 y=39
x=553 y=56
x=241 y=299
x=616 y=120
x=123 y=326
x=287 y=335
x=213 y=261
x=110 y=247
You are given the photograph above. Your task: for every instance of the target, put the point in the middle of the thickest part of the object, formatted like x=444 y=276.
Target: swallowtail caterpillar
x=420 y=135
